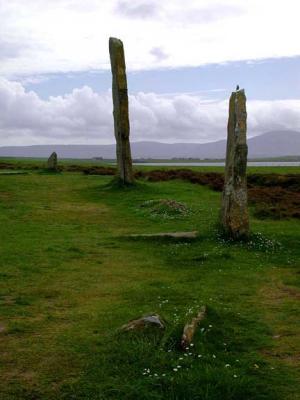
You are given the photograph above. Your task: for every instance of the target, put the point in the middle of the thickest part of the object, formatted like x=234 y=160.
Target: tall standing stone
x=121 y=115
x=235 y=218
x=52 y=162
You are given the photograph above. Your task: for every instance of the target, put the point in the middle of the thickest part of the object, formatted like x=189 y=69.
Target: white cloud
x=41 y=36
x=84 y=116
x=158 y=53
x=137 y=8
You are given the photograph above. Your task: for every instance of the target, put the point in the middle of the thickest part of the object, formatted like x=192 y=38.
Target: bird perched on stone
x=237 y=87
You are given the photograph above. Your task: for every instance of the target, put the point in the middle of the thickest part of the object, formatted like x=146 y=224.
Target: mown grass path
x=69 y=279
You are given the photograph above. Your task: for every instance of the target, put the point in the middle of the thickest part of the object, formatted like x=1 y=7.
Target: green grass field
x=70 y=278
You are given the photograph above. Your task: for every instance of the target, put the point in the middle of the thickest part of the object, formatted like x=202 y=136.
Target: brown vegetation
x=213 y=180
x=273 y=195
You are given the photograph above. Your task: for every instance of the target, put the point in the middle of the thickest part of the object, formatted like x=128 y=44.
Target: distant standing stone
x=121 y=113
x=52 y=162
x=235 y=218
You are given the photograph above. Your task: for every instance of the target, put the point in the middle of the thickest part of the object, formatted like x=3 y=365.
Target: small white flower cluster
x=162 y=302
x=260 y=242
x=148 y=373
x=257 y=242
x=192 y=310
x=184 y=362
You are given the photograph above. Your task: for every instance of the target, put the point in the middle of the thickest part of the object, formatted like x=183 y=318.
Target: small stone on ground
x=150 y=320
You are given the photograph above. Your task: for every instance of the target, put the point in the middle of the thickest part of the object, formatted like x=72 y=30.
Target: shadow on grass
x=45 y=171
x=117 y=190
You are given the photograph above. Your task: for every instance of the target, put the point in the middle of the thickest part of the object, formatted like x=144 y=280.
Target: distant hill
x=270 y=144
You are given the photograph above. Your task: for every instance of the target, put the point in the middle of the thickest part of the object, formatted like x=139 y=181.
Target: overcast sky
x=183 y=59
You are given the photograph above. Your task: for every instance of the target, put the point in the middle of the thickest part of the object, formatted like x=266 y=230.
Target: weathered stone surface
x=189 y=329
x=234 y=215
x=175 y=235
x=121 y=113
x=147 y=321
x=52 y=162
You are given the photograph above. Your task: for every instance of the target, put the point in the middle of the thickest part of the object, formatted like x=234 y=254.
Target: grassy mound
x=165 y=208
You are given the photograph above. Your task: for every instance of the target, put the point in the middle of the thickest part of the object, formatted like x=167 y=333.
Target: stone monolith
x=120 y=112
x=52 y=162
x=234 y=214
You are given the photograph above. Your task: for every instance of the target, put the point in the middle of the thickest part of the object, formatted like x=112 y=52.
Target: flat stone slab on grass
x=13 y=173
x=175 y=235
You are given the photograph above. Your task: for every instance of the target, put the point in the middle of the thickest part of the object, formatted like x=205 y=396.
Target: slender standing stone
x=52 y=162
x=235 y=218
x=120 y=104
